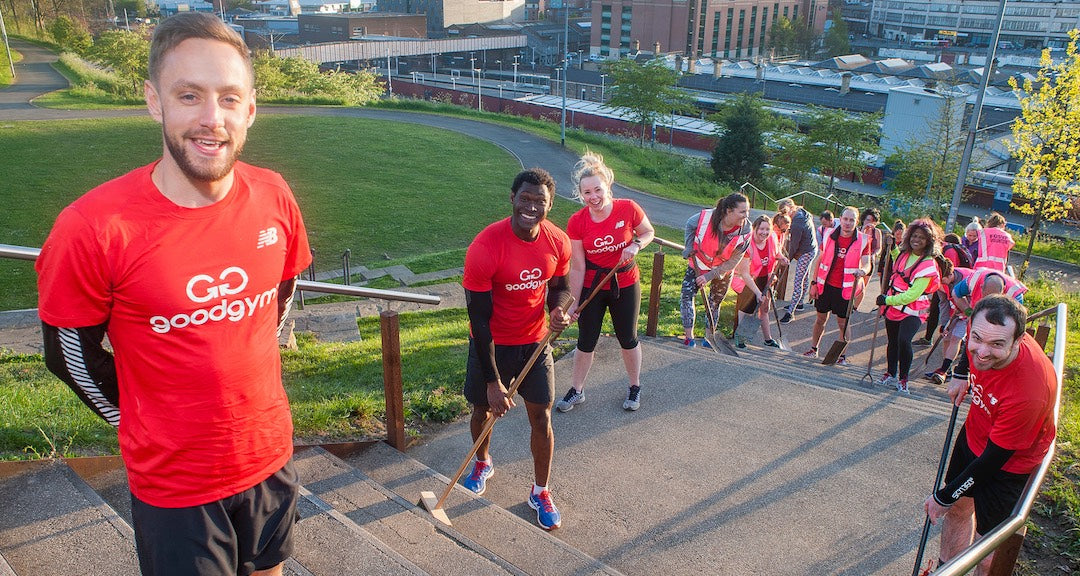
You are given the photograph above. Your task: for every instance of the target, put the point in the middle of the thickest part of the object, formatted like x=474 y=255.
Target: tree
x=927 y=165
x=126 y=52
x=790 y=37
x=836 y=37
x=740 y=151
x=647 y=90
x=283 y=78
x=1046 y=140
x=841 y=141
x=70 y=34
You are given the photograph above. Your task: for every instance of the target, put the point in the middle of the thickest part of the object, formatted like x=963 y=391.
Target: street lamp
x=602 y=76
x=499 y=62
x=433 y=71
x=516 y=56
x=479 y=87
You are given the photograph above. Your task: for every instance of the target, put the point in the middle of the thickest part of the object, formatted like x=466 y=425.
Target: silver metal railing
x=31 y=254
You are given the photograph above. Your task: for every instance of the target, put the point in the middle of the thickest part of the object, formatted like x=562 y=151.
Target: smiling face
x=205 y=102
x=594 y=192
x=762 y=231
x=990 y=346
x=919 y=240
x=735 y=216
x=531 y=204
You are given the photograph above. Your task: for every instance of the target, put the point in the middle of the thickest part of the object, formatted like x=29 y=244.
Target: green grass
x=404 y=194
x=5 y=65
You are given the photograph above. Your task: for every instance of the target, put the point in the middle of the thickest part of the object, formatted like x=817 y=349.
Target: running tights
x=802 y=280
x=717 y=290
x=900 y=353
x=624 y=317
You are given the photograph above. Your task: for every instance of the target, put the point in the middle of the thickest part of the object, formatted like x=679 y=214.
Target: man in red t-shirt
x=843 y=262
x=1009 y=429
x=512 y=269
x=189 y=265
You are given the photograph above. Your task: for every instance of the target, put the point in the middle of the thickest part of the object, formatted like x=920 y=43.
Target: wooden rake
x=838 y=346
x=427 y=498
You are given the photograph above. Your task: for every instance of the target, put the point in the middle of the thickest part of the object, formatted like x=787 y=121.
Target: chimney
x=690 y=65
x=656 y=48
x=718 y=66
x=294 y=7
x=637 y=46
x=845 y=83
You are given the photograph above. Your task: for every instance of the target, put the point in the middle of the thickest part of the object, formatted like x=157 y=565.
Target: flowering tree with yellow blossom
x=1046 y=140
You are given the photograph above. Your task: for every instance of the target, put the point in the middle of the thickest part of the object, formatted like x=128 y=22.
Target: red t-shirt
x=836 y=271
x=516 y=273
x=1014 y=407
x=604 y=241
x=190 y=297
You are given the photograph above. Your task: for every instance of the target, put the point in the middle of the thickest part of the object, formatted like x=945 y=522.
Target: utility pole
x=973 y=124
x=565 y=61
x=3 y=31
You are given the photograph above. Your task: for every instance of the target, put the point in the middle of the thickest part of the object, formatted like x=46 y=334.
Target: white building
x=1027 y=23
x=911 y=112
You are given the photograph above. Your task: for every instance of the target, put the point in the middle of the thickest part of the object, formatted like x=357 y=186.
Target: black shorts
x=538 y=386
x=239 y=534
x=831 y=300
x=994 y=498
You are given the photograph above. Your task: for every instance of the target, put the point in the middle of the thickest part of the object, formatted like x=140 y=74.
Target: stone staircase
x=73 y=517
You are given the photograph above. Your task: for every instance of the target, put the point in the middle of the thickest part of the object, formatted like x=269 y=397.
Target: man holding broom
x=1009 y=428
x=512 y=268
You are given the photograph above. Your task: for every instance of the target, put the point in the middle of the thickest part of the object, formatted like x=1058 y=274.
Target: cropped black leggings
x=900 y=353
x=624 y=317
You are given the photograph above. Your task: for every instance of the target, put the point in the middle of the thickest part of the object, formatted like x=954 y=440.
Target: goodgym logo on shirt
x=605 y=244
x=530 y=280
x=216 y=290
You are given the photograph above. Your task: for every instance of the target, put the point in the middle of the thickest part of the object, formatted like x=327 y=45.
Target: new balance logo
x=267 y=237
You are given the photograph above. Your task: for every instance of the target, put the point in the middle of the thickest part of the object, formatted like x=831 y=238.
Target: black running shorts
x=831 y=300
x=538 y=386
x=246 y=532
x=994 y=498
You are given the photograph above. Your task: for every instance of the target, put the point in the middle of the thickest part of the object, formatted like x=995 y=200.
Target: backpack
x=962 y=255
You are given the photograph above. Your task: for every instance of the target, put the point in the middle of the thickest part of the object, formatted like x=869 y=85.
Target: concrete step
x=514 y=538
x=794 y=367
x=393 y=519
x=5 y=568
x=54 y=523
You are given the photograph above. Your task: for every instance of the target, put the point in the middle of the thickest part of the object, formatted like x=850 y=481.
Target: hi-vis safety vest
x=902 y=279
x=762 y=261
x=977 y=280
x=994 y=246
x=707 y=254
x=852 y=261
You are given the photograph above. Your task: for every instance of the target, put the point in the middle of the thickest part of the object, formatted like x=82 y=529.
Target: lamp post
x=499 y=62
x=472 y=60
x=565 y=62
x=516 y=56
x=433 y=71
x=602 y=77
x=479 y=92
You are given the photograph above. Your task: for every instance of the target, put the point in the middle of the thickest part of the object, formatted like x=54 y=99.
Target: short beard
x=209 y=173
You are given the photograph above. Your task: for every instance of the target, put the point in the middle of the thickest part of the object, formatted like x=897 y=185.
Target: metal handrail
x=981 y=548
x=31 y=254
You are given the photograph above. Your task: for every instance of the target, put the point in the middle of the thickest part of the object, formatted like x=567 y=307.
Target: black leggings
x=624 y=317
x=900 y=333
x=932 y=320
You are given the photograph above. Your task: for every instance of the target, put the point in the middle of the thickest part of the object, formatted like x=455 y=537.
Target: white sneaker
x=572 y=398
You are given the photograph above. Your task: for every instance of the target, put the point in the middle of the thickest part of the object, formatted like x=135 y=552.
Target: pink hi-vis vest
x=994 y=246
x=902 y=278
x=707 y=245
x=762 y=261
x=1013 y=288
x=852 y=259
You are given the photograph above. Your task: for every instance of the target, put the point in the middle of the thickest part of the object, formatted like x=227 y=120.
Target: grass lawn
x=5 y=66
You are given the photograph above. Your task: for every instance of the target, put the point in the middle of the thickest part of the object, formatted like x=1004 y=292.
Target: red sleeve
x=562 y=267
x=74 y=288
x=298 y=255
x=575 y=225
x=478 y=267
x=639 y=214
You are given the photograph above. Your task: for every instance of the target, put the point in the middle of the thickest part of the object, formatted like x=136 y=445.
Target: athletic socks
x=536 y=490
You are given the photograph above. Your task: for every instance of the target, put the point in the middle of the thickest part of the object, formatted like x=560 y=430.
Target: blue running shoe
x=476 y=481
x=705 y=343
x=547 y=515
